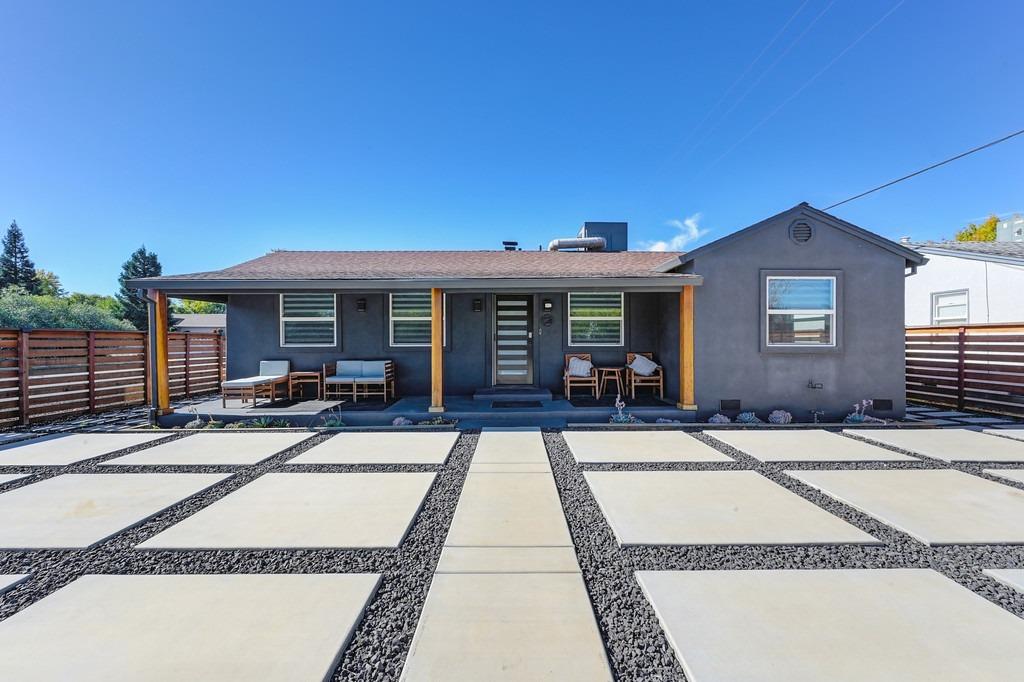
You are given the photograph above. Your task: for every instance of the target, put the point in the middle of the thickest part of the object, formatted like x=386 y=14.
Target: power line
x=931 y=167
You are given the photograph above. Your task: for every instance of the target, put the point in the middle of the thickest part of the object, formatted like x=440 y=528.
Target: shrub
x=718 y=418
x=779 y=417
x=22 y=310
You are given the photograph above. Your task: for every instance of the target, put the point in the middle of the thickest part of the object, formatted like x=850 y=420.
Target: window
x=410 y=318
x=595 y=319
x=801 y=311
x=949 y=307
x=308 y=320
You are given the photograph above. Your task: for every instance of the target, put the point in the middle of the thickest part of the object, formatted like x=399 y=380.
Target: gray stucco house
x=802 y=311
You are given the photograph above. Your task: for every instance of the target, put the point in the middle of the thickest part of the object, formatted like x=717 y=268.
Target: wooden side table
x=301 y=378
x=606 y=374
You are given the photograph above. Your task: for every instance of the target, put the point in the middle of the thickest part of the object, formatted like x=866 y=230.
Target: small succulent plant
x=214 y=424
x=748 y=418
x=331 y=422
x=401 y=421
x=267 y=423
x=664 y=420
x=438 y=421
x=624 y=418
x=718 y=418
x=196 y=423
x=860 y=414
x=779 y=417
x=235 y=425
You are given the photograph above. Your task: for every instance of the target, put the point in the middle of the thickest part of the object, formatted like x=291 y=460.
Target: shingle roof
x=383 y=265
x=981 y=250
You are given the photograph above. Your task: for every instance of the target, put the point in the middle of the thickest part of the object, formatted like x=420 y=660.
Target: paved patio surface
x=949 y=445
x=347 y=510
x=512 y=555
x=186 y=627
x=213 y=448
x=70 y=448
x=806 y=446
x=807 y=626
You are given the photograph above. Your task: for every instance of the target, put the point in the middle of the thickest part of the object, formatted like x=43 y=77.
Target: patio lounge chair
x=273 y=373
x=358 y=377
x=571 y=380
x=655 y=379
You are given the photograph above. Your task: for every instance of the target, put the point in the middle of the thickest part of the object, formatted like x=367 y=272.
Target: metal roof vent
x=510 y=246
x=801 y=232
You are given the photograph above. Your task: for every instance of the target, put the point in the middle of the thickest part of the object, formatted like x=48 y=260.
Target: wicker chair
x=571 y=381
x=656 y=380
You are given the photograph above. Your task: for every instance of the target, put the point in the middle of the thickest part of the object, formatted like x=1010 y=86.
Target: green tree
x=983 y=232
x=108 y=304
x=21 y=310
x=197 y=307
x=141 y=263
x=16 y=268
x=48 y=284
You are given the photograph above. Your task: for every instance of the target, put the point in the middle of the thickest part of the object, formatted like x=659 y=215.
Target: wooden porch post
x=687 y=400
x=437 y=350
x=158 y=355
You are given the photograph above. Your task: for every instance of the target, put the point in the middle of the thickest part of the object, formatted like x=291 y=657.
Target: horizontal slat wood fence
x=53 y=373
x=979 y=367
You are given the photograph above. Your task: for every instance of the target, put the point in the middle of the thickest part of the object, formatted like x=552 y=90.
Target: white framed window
x=950 y=307
x=308 y=320
x=800 y=311
x=409 y=313
x=596 y=318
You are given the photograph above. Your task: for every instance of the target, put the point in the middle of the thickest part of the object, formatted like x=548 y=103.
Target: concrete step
x=512 y=393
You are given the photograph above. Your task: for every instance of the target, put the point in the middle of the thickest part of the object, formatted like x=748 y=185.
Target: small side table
x=301 y=378
x=606 y=374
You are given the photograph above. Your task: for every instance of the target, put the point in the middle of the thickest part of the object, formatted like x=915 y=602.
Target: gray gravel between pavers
x=381 y=641
x=634 y=639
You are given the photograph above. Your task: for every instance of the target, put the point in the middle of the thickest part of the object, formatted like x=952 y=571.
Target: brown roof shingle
x=383 y=265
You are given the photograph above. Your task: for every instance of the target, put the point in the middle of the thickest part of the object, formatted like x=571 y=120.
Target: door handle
x=529 y=335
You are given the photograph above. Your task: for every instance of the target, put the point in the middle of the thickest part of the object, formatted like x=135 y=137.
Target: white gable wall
x=995 y=291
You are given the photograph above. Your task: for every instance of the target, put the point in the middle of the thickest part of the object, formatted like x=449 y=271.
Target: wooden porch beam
x=437 y=350
x=687 y=400
x=159 y=370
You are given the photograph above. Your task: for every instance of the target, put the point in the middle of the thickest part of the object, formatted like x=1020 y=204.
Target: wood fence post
x=960 y=369
x=221 y=364
x=188 y=365
x=92 y=370
x=23 y=374
x=146 y=368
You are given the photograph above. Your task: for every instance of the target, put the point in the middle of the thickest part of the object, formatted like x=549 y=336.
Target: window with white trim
x=801 y=311
x=950 y=307
x=596 y=318
x=308 y=320
x=410 y=318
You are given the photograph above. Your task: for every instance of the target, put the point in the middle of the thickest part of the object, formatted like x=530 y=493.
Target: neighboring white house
x=967 y=283
x=205 y=323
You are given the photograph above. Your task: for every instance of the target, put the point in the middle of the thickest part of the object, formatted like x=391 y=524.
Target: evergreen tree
x=142 y=263
x=48 y=284
x=16 y=268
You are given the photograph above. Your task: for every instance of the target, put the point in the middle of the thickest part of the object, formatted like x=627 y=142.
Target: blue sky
x=214 y=132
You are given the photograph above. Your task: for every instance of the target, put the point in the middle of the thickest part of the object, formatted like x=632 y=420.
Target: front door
x=513 y=339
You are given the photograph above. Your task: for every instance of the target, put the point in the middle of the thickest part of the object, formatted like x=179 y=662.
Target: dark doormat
x=514 y=404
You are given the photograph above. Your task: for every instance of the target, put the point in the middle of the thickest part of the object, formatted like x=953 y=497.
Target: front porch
x=553 y=412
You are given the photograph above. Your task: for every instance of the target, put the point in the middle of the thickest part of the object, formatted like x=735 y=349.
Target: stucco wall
x=253 y=335
x=730 y=363
x=993 y=289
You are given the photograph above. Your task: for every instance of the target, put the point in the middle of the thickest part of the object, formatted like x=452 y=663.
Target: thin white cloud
x=689 y=230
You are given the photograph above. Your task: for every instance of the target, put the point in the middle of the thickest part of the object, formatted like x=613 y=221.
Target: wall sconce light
x=478 y=305
x=361 y=305
x=548 y=304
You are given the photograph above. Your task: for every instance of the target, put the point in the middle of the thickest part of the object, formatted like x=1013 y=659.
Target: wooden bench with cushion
x=357 y=377
x=273 y=373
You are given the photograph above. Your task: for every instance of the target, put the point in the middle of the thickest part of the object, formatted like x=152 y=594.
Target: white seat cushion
x=251 y=381
x=578 y=367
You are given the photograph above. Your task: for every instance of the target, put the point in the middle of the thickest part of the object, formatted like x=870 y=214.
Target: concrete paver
x=805 y=446
x=213 y=448
x=418 y=447
x=509 y=510
x=508 y=560
x=639 y=446
x=712 y=508
x=63 y=449
x=79 y=510
x=186 y=627
x=285 y=510
x=936 y=506
x=842 y=625
x=1011 y=577
x=949 y=445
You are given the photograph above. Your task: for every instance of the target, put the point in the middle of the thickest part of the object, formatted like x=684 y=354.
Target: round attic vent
x=801 y=232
